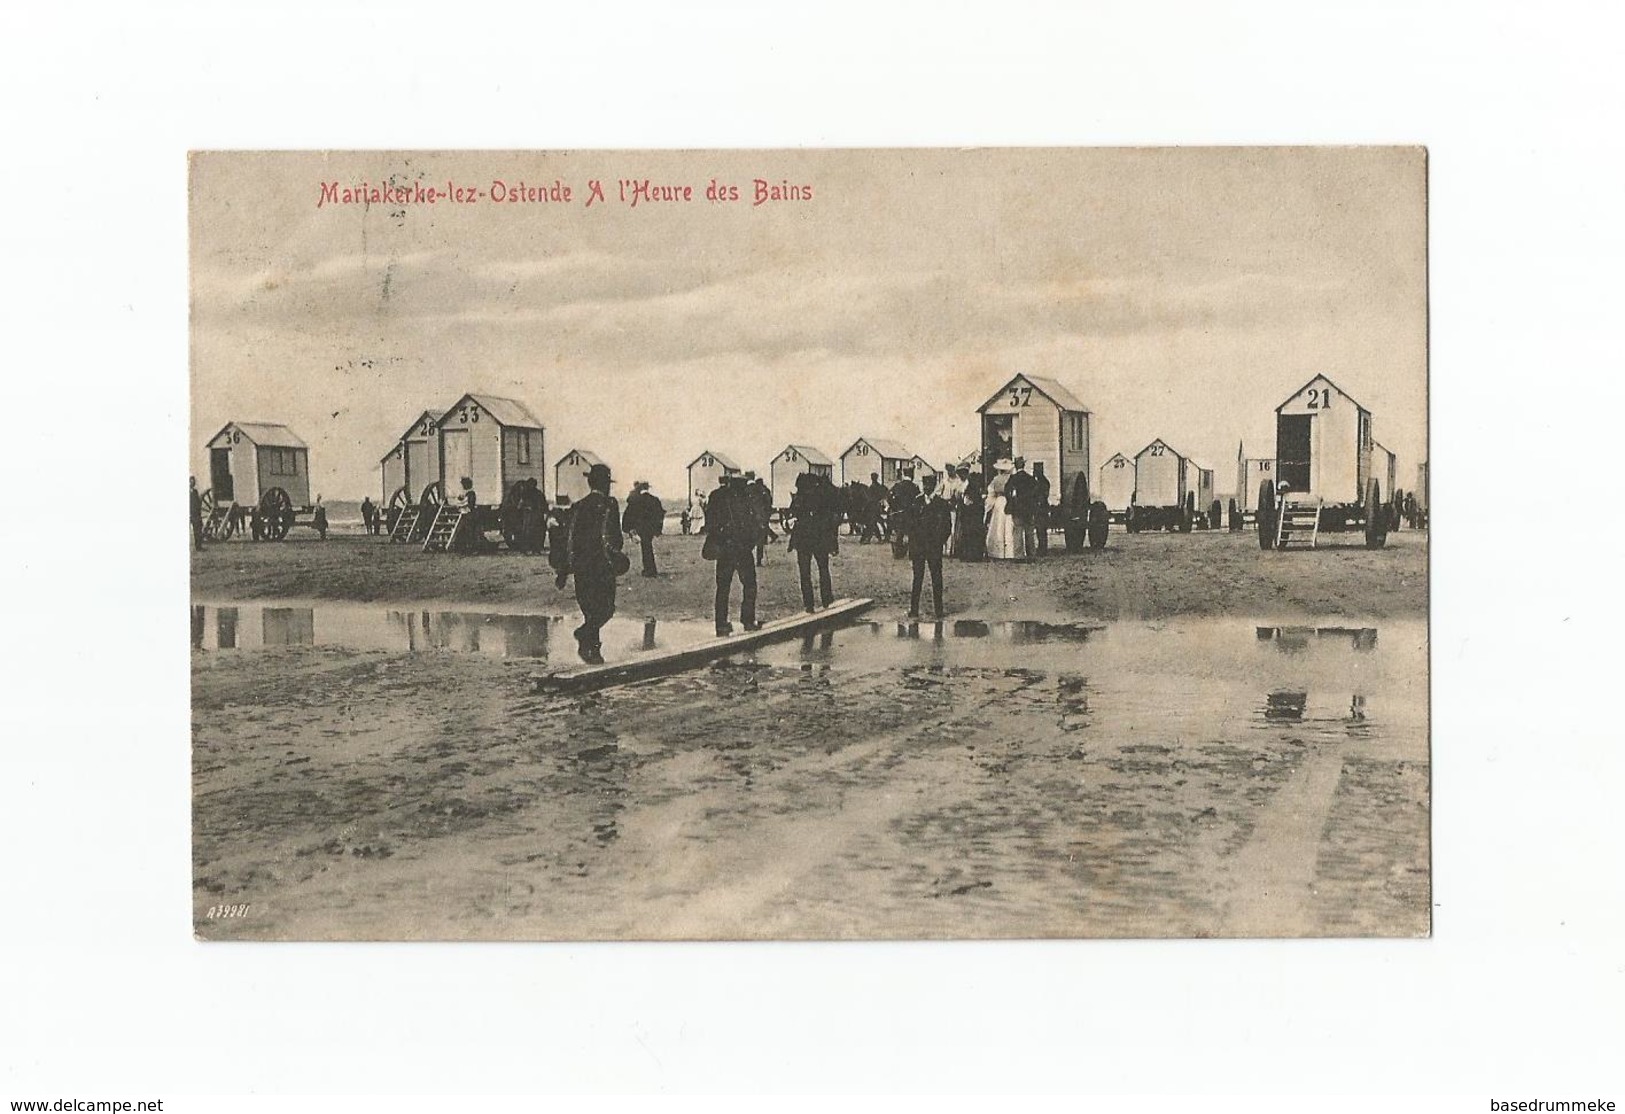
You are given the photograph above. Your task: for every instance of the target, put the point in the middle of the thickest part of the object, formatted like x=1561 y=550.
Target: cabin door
x=220 y=475
x=1292 y=439
x=998 y=440
x=457 y=462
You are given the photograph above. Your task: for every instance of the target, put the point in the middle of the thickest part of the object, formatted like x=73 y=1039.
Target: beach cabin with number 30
x=412 y=463
x=247 y=459
x=705 y=472
x=1116 y=487
x=792 y=462
x=496 y=442
x=1041 y=420
x=1323 y=444
x=869 y=455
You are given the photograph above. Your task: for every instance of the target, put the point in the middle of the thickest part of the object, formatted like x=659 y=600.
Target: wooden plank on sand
x=658 y=662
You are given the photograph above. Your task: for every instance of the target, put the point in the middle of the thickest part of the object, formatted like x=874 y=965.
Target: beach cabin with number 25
x=1116 y=488
x=495 y=442
x=1041 y=420
x=1323 y=444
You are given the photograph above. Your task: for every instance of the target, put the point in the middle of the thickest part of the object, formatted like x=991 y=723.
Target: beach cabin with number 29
x=705 y=472
x=1041 y=420
x=1323 y=444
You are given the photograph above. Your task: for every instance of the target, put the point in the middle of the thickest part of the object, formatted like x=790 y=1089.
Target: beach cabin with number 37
x=1041 y=420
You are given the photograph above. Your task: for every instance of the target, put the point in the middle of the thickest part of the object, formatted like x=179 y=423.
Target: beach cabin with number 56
x=1116 y=487
x=496 y=442
x=1041 y=420
x=1323 y=444
x=792 y=462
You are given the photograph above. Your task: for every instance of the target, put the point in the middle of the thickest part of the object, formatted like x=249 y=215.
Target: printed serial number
x=217 y=911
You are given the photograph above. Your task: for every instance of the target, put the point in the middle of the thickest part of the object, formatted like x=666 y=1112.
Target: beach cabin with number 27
x=1041 y=420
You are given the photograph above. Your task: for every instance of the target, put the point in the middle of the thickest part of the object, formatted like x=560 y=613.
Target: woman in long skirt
x=1004 y=541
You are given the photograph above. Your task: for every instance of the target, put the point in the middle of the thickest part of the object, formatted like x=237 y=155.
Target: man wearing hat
x=763 y=495
x=1021 y=493
x=645 y=517
x=593 y=555
x=733 y=526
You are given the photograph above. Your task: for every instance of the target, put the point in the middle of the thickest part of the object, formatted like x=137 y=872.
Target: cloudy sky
x=1181 y=293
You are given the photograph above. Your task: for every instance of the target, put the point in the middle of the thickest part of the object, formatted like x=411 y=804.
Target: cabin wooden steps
x=405 y=525
x=443 y=532
x=214 y=528
x=1298 y=524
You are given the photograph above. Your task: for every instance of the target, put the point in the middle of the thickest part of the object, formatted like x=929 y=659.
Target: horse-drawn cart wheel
x=1265 y=517
x=1376 y=517
x=208 y=503
x=1075 y=517
x=433 y=495
x=1100 y=523
x=276 y=512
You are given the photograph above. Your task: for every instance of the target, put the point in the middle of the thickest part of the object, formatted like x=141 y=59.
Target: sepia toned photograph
x=809 y=544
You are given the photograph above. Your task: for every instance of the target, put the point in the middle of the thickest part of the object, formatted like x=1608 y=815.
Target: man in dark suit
x=902 y=497
x=930 y=521
x=815 y=520
x=197 y=516
x=1019 y=496
x=734 y=525
x=593 y=555
x=645 y=517
x=1040 y=519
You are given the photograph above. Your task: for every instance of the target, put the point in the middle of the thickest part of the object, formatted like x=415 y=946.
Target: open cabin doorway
x=220 y=475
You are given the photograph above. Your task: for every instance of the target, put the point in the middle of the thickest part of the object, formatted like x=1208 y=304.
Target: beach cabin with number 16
x=1039 y=419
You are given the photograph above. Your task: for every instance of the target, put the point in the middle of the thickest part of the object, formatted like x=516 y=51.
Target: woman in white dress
x=1004 y=541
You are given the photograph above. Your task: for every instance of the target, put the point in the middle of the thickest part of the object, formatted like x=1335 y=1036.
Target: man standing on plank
x=593 y=555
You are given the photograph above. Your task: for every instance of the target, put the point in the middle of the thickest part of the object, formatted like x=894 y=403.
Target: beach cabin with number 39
x=493 y=441
x=1323 y=444
x=1041 y=420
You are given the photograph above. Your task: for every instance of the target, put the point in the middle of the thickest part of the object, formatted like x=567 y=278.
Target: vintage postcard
x=811 y=544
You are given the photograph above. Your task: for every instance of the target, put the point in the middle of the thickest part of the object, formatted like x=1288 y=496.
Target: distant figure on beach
x=1006 y=541
x=875 y=524
x=319 y=518
x=733 y=527
x=530 y=508
x=197 y=515
x=686 y=521
x=592 y=553
x=256 y=523
x=930 y=522
x=815 y=533
x=901 y=499
x=952 y=491
x=645 y=518
x=1039 y=520
x=972 y=515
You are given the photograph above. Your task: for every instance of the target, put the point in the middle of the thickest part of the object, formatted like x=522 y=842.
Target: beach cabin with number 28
x=412 y=463
x=1041 y=420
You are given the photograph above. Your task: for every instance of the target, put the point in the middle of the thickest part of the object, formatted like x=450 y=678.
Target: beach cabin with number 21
x=1041 y=420
x=1323 y=444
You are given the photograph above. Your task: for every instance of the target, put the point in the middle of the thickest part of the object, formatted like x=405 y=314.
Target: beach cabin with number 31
x=1041 y=420
x=1323 y=444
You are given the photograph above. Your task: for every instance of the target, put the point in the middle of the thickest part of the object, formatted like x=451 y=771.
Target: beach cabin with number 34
x=1038 y=418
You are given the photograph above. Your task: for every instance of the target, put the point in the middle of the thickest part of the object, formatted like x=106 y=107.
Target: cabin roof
x=507 y=411
x=1164 y=444
x=1329 y=383
x=1049 y=388
x=812 y=455
x=888 y=450
x=725 y=461
x=268 y=435
x=432 y=415
x=1115 y=456
x=587 y=458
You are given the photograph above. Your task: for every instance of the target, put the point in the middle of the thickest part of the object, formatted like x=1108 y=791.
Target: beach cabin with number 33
x=1323 y=444
x=247 y=459
x=493 y=441
x=1041 y=420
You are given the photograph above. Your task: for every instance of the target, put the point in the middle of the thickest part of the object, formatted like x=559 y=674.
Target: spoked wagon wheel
x=1100 y=521
x=208 y=503
x=1266 y=515
x=1077 y=513
x=433 y=495
x=1376 y=517
x=276 y=512
x=230 y=524
x=398 y=503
